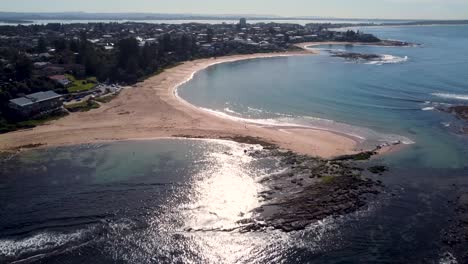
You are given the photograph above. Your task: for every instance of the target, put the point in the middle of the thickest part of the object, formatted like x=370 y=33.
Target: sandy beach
x=152 y=110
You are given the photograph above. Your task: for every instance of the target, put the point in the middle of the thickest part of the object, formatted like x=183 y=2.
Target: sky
x=397 y=9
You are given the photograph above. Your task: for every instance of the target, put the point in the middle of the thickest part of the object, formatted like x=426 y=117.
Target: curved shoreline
x=153 y=110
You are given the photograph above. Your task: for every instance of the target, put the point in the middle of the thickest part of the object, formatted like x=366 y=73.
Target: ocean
x=178 y=200
x=391 y=100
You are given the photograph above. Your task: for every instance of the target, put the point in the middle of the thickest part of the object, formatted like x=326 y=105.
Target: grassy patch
x=6 y=126
x=328 y=179
x=82 y=106
x=106 y=99
x=81 y=85
x=359 y=156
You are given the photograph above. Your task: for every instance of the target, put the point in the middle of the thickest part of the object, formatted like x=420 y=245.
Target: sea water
x=178 y=201
x=394 y=99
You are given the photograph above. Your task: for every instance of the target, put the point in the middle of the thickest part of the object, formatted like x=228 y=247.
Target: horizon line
x=218 y=15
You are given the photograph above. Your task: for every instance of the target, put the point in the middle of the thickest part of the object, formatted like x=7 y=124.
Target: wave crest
x=451 y=96
x=362 y=134
x=388 y=59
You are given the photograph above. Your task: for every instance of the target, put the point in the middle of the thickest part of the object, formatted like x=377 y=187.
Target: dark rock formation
x=356 y=56
x=378 y=169
x=396 y=43
x=308 y=190
x=461 y=112
x=456 y=236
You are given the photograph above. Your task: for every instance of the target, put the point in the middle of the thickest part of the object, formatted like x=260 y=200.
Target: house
x=41 y=64
x=53 y=70
x=36 y=103
x=61 y=79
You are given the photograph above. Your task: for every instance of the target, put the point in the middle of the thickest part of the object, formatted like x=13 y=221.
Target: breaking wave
x=43 y=244
x=428 y=108
x=39 y=243
x=451 y=96
x=361 y=134
x=388 y=59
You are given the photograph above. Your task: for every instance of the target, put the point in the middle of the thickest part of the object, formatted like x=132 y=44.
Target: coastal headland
x=152 y=109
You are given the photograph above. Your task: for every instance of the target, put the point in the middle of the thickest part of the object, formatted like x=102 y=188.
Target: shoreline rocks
x=456 y=236
x=356 y=56
x=307 y=190
x=461 y=113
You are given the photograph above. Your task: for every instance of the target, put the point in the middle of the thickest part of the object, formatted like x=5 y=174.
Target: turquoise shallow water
x=390 y=100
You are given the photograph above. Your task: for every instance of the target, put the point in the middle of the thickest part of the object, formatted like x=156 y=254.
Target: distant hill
x=122 y=16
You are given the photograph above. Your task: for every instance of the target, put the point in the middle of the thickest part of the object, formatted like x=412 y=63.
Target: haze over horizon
x=381 y=9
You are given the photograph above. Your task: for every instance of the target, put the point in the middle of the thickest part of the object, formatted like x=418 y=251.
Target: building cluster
x=106 y=35
x=44 y=45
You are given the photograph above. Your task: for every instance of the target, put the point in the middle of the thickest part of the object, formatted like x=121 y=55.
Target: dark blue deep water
x=174 y=201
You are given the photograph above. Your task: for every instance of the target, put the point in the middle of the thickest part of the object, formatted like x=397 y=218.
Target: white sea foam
x=255 y=110
x=447 y=258
x=452 y=96
x=359 y=133
x=446 y=124
x=229 y=110
x=37 y=243
x=388 y=59
x=428 y=108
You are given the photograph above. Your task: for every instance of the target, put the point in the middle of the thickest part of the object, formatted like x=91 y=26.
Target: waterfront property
x=61 y=79
x=36 y=103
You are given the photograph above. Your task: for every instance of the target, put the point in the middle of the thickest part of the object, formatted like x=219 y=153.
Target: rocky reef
x=396 y=43
x=355 y=56
x=309 y=189
x=456 y=236
x=461 y=112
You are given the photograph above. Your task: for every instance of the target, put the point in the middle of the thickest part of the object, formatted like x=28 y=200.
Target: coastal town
x=53 y=69
x=234 y=131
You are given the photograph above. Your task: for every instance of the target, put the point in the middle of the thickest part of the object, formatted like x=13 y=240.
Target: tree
x=128 y=48
x=60 y=45
x=74 y=46
x=165 y=43
x=41 y=45
x=209 y=35
x=23 y=67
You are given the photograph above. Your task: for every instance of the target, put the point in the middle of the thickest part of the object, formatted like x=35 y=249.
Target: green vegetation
x=81 y=85
x=359 y=156
x=6 y=126
x=328 y=179
x=82 y=106
x=106 y=99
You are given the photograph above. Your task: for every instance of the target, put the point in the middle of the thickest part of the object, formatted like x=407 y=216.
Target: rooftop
x=35 y=98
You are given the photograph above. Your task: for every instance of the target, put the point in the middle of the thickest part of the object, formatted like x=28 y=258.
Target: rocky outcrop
x=461 y=112
x=308 y=190
x=355 y=56
x=456 y=236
